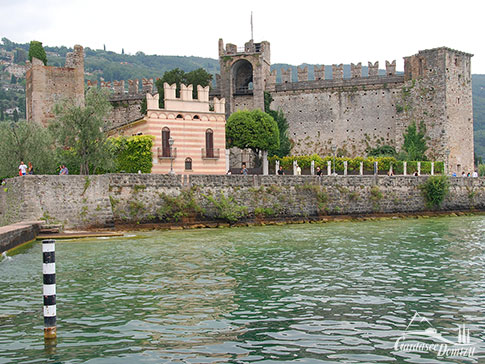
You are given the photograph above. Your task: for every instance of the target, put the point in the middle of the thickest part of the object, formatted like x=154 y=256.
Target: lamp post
x=334 y=150
x=170 y=142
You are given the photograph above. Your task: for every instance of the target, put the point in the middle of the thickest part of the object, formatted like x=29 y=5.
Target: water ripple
x=331 y=293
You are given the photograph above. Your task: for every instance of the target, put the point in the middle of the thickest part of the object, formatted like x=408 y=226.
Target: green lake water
x=340 y=292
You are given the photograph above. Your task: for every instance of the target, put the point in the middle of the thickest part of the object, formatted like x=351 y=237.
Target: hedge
x=353 y=164
x=133 y=153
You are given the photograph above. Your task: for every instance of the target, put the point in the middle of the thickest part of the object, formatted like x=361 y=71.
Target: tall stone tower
x=244 y=74
x=439 y=88
x=47 y=85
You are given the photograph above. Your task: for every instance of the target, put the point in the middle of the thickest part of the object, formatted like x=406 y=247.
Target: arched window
x=165 y=142
x=209 y=143
x=196 y=117
x=188 y=164
x=179 y=116
x=242 y=74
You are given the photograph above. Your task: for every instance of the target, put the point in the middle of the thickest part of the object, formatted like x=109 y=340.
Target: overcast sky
x=323 y=32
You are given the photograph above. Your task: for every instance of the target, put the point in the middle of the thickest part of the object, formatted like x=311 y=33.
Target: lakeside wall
x=105 y=200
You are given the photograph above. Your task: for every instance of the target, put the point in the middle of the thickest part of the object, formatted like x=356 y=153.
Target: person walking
x=22 y=169
x=31 y=168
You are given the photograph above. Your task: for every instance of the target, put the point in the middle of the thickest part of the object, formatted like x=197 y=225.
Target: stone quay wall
x=16 y=234
x=106 y=200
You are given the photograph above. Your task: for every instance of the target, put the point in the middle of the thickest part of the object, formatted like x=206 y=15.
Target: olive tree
x=78 y=130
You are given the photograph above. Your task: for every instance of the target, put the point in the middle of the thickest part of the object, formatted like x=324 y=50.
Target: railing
x=243 y=90
x=167 y=153
x=212 y=153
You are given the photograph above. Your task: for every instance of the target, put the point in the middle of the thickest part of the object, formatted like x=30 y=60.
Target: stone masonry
x=100 y=201
x=352 y=114
x=364 y=111
x=46 y=86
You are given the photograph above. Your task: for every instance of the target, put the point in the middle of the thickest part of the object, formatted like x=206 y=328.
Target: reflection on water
x=320 y=293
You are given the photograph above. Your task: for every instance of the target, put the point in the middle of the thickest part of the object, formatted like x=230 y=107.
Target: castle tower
x=440 y=82
x=244 y=73
x=47 y=86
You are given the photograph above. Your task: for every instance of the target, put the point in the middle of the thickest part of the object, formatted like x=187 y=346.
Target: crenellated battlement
x=249 y=48
x=336 y=76
x=125 y=90
x=185 y=102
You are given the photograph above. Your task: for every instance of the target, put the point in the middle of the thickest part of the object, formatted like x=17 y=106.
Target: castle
x=325 y=111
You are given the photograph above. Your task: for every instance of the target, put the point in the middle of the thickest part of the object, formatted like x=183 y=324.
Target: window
x=209 y=143
x=165 y=142
x=196 y=117
x=179 y=116
x=188 y=164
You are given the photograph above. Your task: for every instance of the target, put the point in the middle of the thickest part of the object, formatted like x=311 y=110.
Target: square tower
x=244 y=73
x=440 y=81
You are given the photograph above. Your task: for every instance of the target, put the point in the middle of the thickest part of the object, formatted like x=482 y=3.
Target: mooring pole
x=49 y=288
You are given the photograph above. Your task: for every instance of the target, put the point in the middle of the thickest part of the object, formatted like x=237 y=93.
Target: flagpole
x=252 y=38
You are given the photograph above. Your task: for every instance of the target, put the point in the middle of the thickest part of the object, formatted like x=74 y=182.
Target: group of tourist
x=23 y=169
x=463 y=174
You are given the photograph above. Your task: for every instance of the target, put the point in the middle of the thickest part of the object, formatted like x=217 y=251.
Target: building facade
x=189 y=138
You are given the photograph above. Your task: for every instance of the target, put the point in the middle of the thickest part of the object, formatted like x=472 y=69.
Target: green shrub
x=435 y=190
x=133 y=154
x=481 y=170
x=412 y=166
x=226 y=208
x=353 y=164
x=176 y=207
x=425 y=167
x=439 y=167
x=264 y=211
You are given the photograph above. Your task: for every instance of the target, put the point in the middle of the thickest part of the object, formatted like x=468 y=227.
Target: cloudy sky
x=323 y=32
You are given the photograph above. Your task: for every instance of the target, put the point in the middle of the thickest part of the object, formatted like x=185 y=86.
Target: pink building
x=189 y=137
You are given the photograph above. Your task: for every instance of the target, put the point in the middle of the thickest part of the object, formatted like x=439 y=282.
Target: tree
x=13 y=80
x=285 y=144
x=79 y=130
x=15 y=115
x=177 y=76
x=37 y=50
x=28 y=142
x=382 y=151
x=8 y=44
x=252 y=129
x=415 y=142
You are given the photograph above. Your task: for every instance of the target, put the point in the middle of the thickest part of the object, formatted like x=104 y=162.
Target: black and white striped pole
x=49 y=288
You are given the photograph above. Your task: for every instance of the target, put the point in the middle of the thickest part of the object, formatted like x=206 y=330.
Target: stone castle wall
x=352 y=114
x=79 y=201
x=367 y=110
x=126 y=99
x=46 y=86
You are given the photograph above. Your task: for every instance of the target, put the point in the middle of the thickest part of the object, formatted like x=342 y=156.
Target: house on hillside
x=189 y=137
